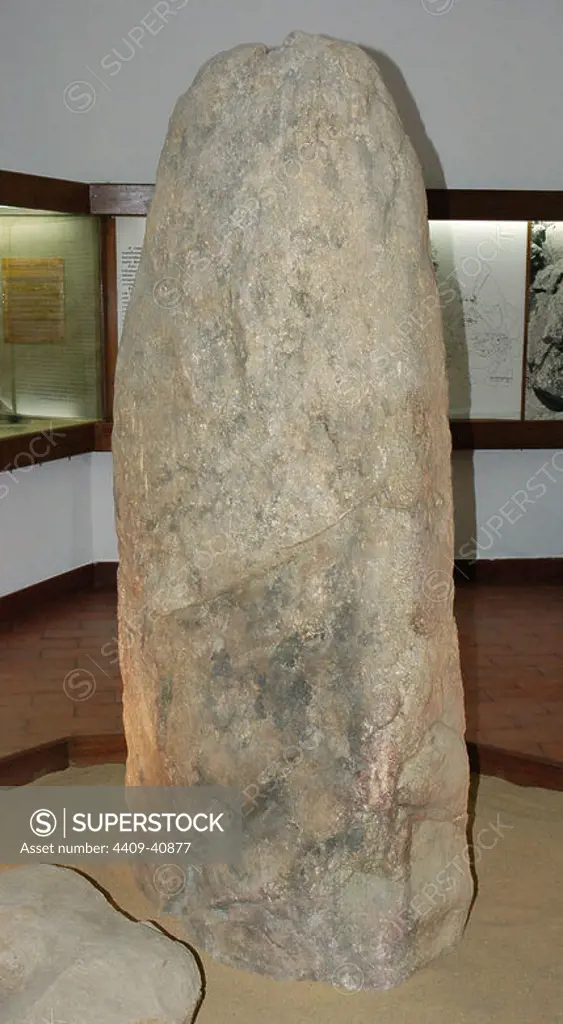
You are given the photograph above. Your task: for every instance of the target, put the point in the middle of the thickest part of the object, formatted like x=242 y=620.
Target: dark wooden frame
x=30 y=191
x=469 y=435
x=33 y=192
x=443 y=204
x=494 y=204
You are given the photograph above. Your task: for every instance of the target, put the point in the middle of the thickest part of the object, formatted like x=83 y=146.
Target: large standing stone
x=284 y=511
x=66 y=955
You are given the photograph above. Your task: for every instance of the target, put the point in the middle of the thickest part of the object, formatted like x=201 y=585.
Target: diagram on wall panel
x=544 y=350
x=130 y=233
x=481 y=272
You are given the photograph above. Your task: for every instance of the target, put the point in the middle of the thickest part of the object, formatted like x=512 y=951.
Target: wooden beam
x=443 y=204
x=494 y=204
x=468 y=435
x=33 y=192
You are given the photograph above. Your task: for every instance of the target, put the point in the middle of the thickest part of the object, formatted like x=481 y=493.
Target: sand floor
x=507 y=970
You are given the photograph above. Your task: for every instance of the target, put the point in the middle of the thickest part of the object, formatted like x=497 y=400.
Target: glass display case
x=501 y=297
x=51 y=358
x=69 y=254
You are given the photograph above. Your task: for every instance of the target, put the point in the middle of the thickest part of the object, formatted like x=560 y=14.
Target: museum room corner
x=281 y=518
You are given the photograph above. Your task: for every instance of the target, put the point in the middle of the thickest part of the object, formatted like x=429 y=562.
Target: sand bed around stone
x=507 y=970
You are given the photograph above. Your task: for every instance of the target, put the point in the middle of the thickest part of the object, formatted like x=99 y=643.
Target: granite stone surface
x=284 y=513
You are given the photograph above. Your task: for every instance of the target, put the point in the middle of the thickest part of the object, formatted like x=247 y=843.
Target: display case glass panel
x=50 y=322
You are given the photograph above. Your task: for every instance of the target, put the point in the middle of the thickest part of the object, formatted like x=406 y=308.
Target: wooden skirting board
x=25 y=766
x=500 y=571
x=520 y=769
x=79 y=751
x=75 y=751
x=83 y=579
x=509 y=571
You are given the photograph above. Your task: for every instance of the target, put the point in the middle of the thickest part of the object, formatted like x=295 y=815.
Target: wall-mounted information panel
x=500 y=285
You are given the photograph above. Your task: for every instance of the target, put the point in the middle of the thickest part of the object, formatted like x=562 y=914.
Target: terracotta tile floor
x=511 y=642
x=59 y=674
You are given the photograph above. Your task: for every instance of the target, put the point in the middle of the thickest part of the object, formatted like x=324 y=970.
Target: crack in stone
x=274 y=563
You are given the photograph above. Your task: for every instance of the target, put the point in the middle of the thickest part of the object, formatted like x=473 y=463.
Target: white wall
x=59 y=515
x=508 y=504
x=45 y=521
x=486 y=78
x=104 y=540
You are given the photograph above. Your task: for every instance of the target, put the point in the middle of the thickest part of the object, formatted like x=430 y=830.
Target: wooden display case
x=107 y=202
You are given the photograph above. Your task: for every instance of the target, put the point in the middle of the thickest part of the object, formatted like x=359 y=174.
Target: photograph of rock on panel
x=544 y=354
